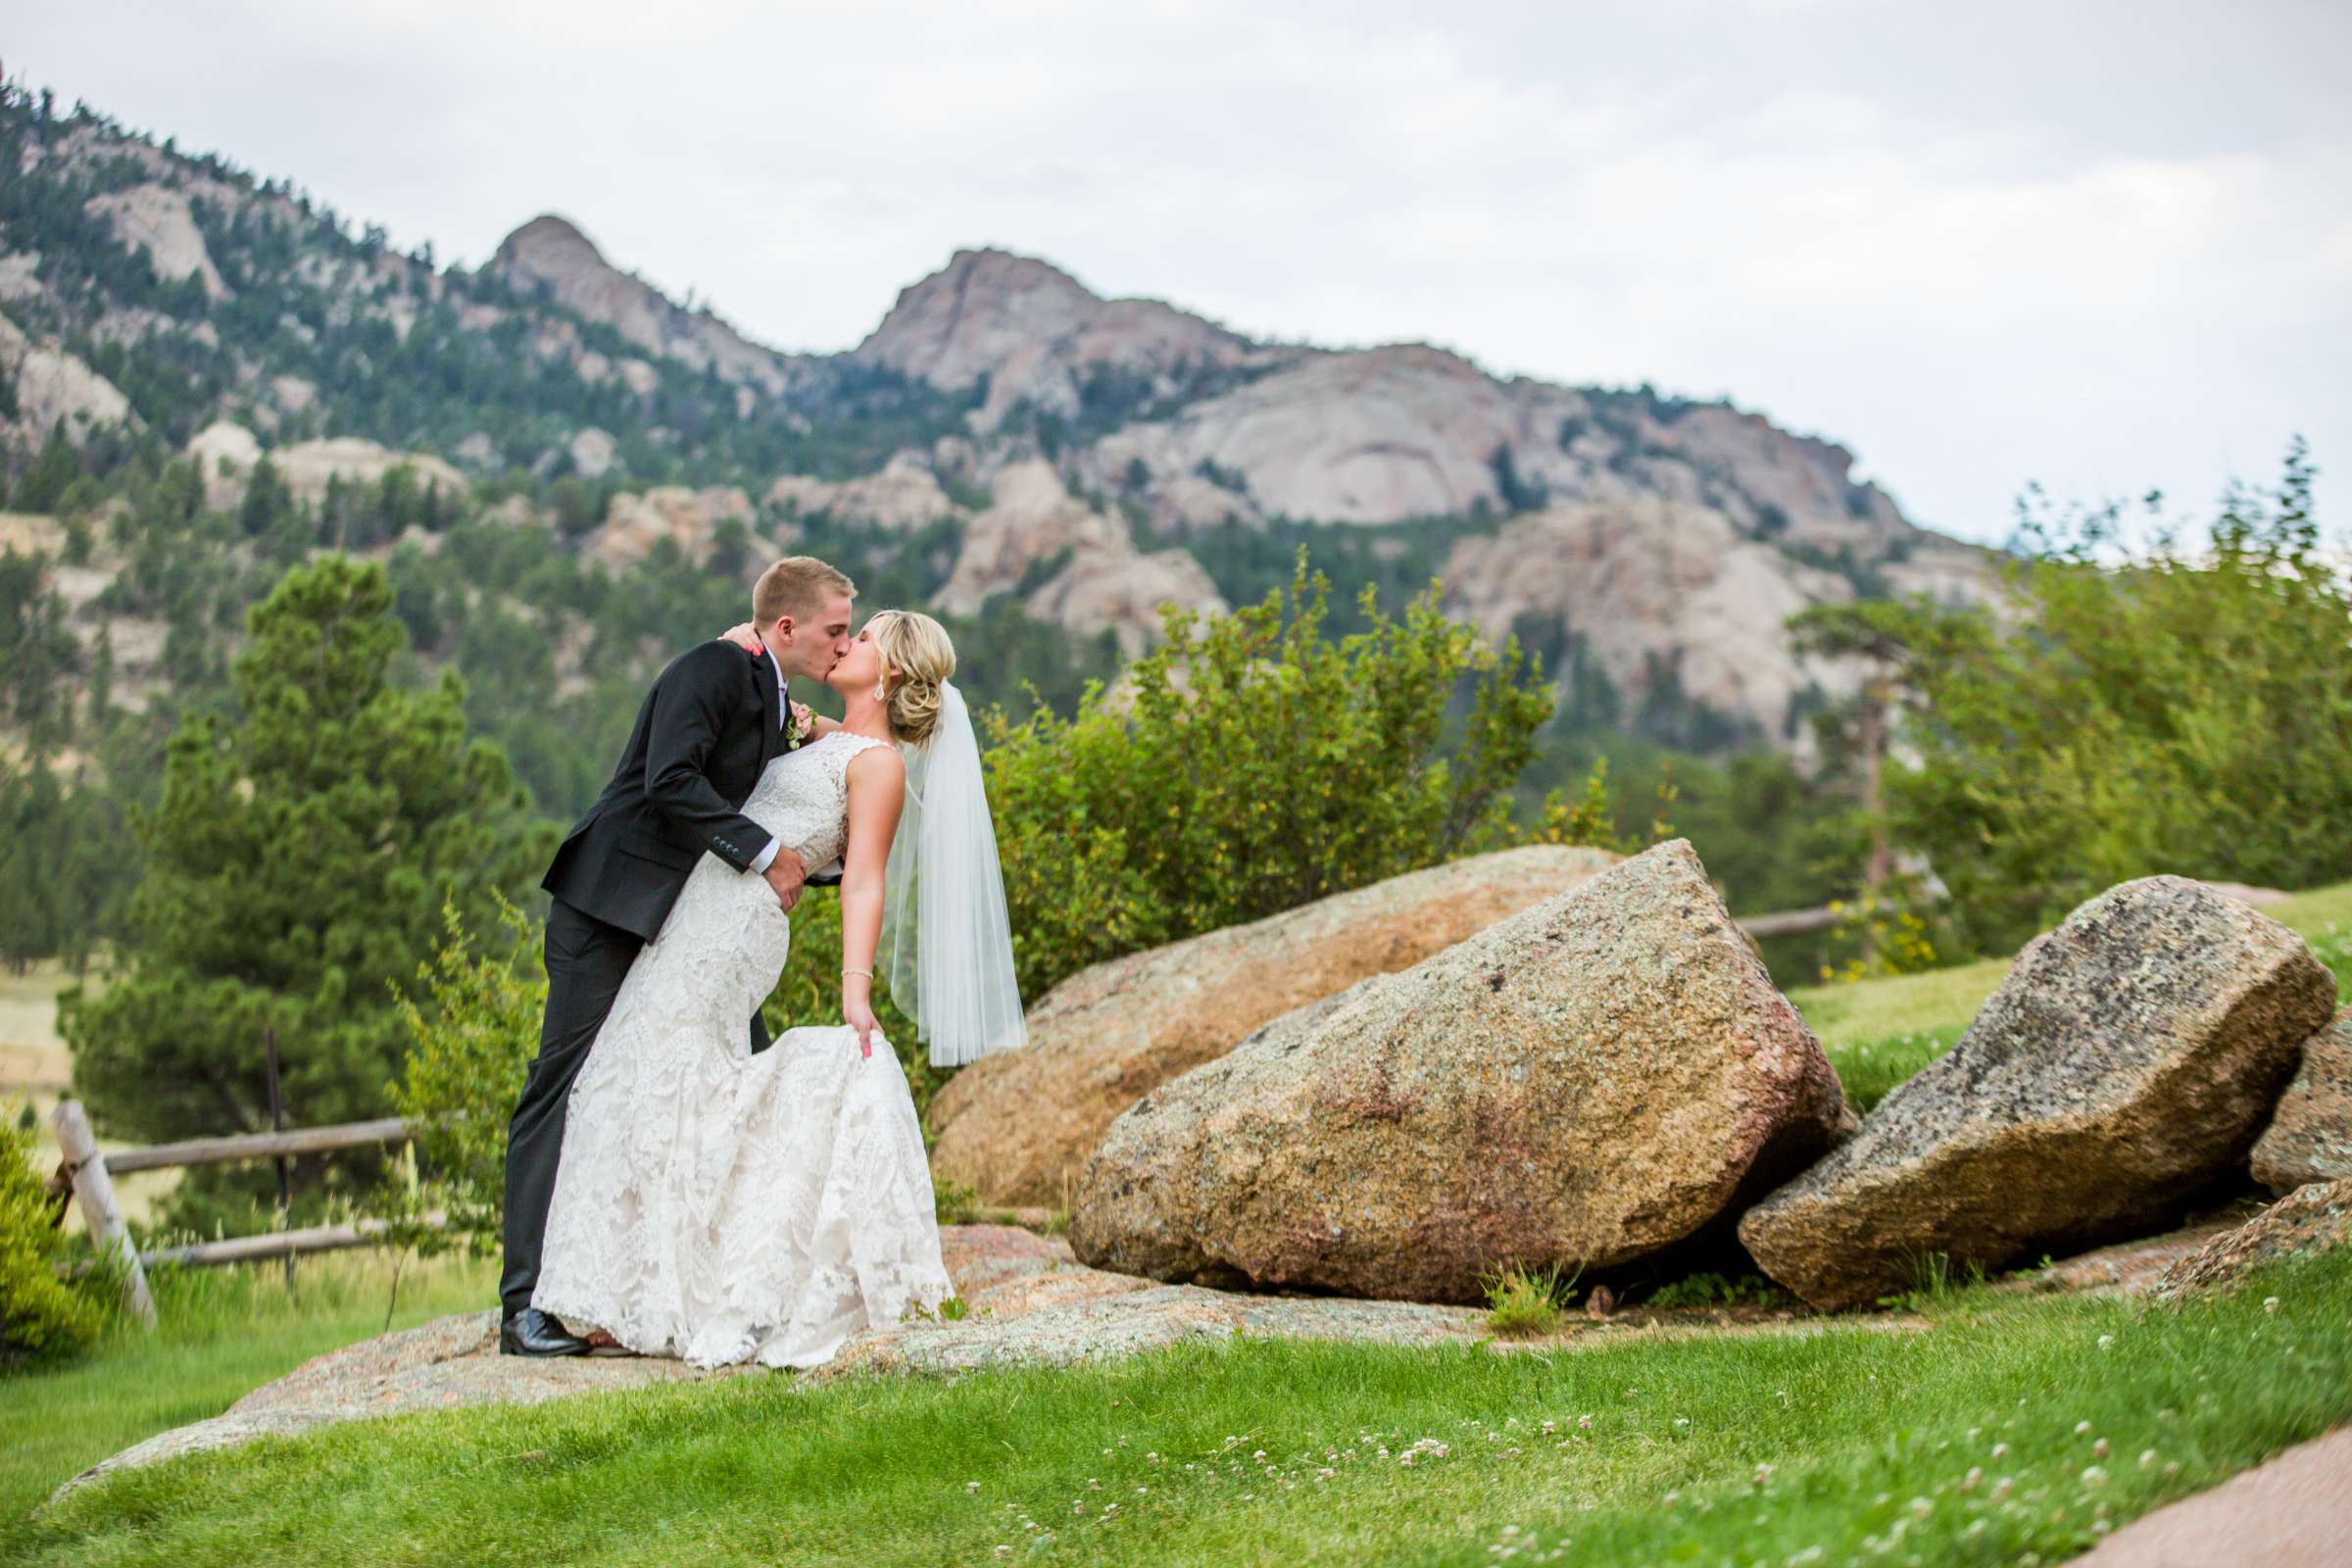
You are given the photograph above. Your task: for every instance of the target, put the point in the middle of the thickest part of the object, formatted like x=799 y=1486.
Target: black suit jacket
x=705 y=731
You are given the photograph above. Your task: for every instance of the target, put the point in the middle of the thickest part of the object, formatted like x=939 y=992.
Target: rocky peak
x=550 y=253
x=1031 y=328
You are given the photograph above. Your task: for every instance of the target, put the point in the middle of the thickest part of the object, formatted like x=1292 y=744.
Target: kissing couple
x=674 y=1184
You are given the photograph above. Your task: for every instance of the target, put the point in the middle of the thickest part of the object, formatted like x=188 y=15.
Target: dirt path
x=2294 y=1512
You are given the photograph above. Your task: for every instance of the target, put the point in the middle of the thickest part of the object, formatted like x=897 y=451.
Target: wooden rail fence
x=90 y=1172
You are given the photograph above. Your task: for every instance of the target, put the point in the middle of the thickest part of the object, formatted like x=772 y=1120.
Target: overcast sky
x=2106 y=246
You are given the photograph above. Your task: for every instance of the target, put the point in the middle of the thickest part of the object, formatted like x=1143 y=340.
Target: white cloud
x=2105 y=247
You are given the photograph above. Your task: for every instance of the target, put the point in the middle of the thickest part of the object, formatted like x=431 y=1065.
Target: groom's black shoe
x=531 y=1332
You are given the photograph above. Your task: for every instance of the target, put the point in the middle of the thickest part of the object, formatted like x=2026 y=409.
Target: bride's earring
x=881 y=690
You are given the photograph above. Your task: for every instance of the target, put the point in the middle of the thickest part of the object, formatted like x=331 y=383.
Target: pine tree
x=298 y=863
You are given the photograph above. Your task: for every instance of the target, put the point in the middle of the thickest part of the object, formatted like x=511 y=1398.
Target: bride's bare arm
x=877 y=789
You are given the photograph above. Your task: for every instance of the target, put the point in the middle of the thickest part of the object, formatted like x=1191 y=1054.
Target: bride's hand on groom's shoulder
x=860 y=1015
x=743 y=636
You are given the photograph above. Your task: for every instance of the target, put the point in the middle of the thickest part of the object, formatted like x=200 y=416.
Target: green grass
x=1731 y=1449
x=220 y=1334
x=1854 y=1424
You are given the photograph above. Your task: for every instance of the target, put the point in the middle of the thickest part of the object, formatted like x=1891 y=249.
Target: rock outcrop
x=550 y=254
x=226 y=454
x=689 y=518
x=1657 y=589
x=51 y=387
x=904 y=496
x=1018 y=1127
x=157 y=220
x=2313 y=1218
x=1589 y=1082
x=2310 y=1135
x=1034 y=332
x=2130 y=1059
x=1094 y=577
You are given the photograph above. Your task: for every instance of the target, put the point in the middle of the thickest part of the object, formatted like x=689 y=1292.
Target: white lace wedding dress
x=719 y=1206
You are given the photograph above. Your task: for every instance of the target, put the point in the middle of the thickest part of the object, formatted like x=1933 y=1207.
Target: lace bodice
x=803 y=797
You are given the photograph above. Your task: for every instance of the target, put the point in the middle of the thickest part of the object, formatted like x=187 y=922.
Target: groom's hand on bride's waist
x=787 y=875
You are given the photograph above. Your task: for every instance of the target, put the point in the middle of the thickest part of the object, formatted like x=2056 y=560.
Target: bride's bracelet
x=868 y=973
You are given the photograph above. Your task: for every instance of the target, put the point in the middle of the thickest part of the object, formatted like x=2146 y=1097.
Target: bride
x=719 y=1206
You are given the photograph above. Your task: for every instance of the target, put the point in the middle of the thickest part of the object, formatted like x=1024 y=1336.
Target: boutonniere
x=796 y=729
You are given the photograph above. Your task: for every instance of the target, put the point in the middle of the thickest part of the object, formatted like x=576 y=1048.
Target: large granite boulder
x=1589 y=1082
x=1017 y=1127
x=2131 y=1058
x=2310 y=1135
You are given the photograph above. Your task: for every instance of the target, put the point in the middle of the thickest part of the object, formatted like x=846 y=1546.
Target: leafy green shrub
x=2189 y=711
x=470 y=1047
x=1250 y=764
x=1714 y=1289
x=1528 y=1303
x=41 y=1316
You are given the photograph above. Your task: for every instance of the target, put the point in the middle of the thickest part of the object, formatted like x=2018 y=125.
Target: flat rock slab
x=1027 y=1300
x=2293 y=1512
x=2128 y=1268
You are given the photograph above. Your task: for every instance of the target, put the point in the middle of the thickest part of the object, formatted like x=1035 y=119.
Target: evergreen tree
x=298 y=863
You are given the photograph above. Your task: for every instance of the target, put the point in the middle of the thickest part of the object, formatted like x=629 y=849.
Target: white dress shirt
x=768 y=857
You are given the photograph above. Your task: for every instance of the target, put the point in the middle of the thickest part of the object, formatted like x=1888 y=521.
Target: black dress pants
x=586 y=961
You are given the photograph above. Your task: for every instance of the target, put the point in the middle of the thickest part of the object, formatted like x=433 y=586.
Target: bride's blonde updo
x=916 y=661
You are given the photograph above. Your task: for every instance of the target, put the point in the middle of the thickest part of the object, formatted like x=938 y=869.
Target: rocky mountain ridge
x=1088 y=452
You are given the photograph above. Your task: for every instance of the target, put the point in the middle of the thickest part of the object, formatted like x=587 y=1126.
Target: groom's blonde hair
x=917 y=658
x=797 y=586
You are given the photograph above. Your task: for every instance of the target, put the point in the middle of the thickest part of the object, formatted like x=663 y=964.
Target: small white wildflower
x=1584 y=1423
x=2000 y=1450
x=971 y=1485
x=1921 y=1507
x=2106 y=1340
x=2094 y=1477
x=2001 y=1489
x=2099 y=1447
x=2148 y=1457
x=2270 y=1304
x=1968 y=1482
x=1763 y=1474
x=2081 y=1428
x=1001 y=1551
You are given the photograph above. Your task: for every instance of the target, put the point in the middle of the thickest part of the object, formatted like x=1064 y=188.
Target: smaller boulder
x=2130 y=1059
x=2314 y=1218
x=2310 y=1135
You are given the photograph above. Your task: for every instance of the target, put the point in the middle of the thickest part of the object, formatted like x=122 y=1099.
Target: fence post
x=277 y=1124
x=95 y=1191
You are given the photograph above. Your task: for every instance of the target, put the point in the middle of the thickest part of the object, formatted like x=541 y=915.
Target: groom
x=712 y=722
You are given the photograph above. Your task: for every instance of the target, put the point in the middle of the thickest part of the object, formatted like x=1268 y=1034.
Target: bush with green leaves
x=1250 y=765
x=41 y=1316
x=2182 y=709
